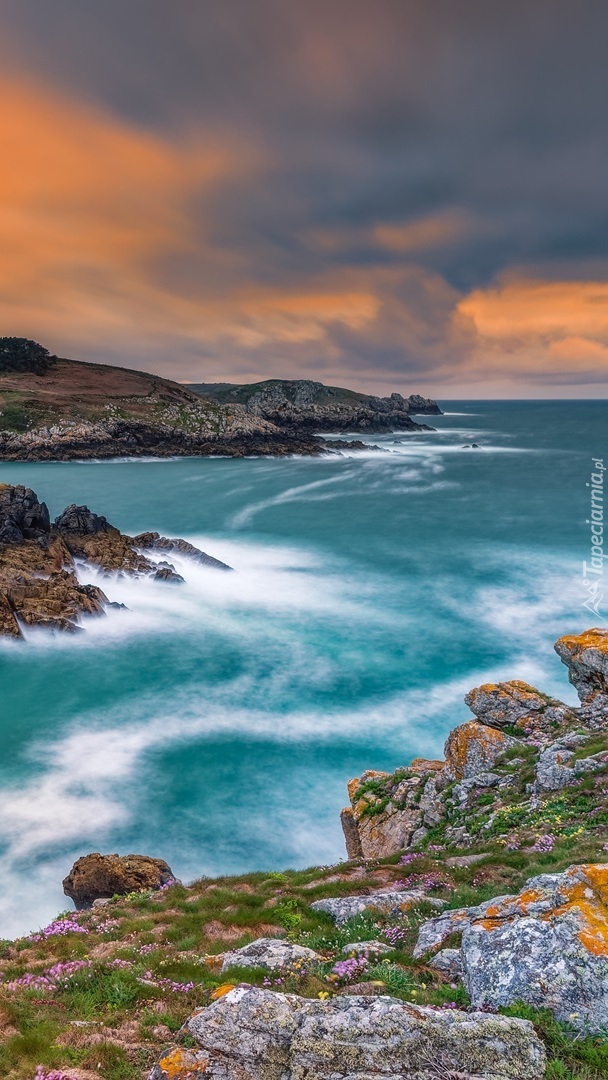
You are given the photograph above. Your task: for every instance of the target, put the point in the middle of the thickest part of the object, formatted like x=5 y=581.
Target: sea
x=215 y=724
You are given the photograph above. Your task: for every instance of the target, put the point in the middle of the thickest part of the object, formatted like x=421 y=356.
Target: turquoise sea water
x=216 y=724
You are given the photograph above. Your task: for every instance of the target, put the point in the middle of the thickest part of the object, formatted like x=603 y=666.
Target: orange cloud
x=539 y=328
x=90 y=204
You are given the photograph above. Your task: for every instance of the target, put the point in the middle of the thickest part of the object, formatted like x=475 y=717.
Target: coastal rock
x=255 y=1034
x=473 y=748
x=547 y=946
x=343 y=908
x=153 y=541
x=303 y=405
x=97 y=876
x=22 y=516
x=271 y=953
x=586 y=657
x=39 y=585
x=518 y=705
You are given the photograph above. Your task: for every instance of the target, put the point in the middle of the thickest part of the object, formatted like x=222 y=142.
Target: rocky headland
x=298 y=406
x=56 y=409
x=42 y=562
x=466 y=938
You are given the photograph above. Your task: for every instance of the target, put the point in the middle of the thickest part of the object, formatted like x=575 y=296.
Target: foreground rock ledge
x=255 y=1034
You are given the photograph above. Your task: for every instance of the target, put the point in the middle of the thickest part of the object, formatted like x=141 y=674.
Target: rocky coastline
x=56 y=409
x=466 y=936
x=41 y=562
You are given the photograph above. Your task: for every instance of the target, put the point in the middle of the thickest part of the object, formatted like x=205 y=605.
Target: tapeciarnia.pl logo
x=593 y=571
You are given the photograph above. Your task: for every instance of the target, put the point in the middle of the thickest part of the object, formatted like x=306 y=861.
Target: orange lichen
x=180 y=1063
x=590 y=639
x=220 y=991
x=589 y=897
x=426 y=765
x=586 y=896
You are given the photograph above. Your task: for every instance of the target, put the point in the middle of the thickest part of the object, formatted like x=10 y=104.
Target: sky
x=391 y=195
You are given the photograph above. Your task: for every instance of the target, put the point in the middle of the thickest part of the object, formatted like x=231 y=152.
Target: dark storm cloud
x=411 y=157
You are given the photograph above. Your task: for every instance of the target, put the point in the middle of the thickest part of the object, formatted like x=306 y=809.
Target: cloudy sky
x=392 y=194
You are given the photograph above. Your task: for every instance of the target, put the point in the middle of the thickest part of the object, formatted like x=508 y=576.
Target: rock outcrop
x=586 y=657
x=254 y=1034
x=301 y=406
x=96 y=876
x=39 y=582
x=475 y=790
x=546 y=946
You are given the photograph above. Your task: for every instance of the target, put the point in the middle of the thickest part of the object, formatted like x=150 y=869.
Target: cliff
x=477 y=950
x=53 y=408
x=301 y=405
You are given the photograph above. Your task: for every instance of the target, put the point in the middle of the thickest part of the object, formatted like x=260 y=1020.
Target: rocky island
x=39 y=560
x=55 y=409
x=466 y=938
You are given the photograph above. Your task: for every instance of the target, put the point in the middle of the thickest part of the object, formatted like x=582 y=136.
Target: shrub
x=23 y=355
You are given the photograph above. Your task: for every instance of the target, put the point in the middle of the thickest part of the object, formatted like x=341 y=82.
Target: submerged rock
x=98 y=876
x=256 y=1034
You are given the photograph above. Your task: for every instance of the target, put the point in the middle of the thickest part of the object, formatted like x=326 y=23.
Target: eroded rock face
x=271 y=953
x=473 y=748
x=94 y=876
x=586 y=657
x=255 y=1034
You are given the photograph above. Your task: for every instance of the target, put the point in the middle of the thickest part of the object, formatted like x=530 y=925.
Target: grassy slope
x=149 y=960
x=72 y=390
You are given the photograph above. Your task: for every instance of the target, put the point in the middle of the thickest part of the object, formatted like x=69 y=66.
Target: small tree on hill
x=19 y=354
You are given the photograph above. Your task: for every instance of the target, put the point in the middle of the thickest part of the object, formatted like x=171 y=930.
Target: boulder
x=271 y=953
x=546 y=946
x=255 y=1034
x=473 y=748
x=343 y=908
x=97 y=876
x=176 y=1063
x=519 y=705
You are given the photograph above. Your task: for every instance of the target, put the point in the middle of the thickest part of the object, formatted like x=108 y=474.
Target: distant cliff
x=303 y=406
